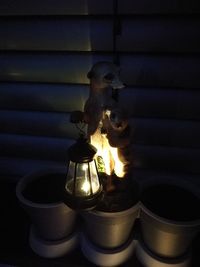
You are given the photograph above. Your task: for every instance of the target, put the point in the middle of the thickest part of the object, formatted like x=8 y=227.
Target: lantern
x=82 y=188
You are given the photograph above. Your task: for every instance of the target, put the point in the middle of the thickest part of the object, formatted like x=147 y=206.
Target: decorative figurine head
x=104 y=74
x=118 y=120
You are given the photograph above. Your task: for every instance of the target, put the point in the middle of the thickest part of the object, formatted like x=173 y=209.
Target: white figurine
x=108 y=126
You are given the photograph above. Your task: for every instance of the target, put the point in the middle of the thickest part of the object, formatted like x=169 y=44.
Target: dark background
x=46 y=50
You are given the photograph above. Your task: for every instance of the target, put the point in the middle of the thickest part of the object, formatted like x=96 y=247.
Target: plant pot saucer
x=148 y=259
x=52 y=249
x=107 y=257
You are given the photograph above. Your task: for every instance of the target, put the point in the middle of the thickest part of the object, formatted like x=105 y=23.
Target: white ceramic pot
x=107 y=257
x=170 y=219
x=110 y=229
x=54 y=220
x=53 y=249
x=148 y=259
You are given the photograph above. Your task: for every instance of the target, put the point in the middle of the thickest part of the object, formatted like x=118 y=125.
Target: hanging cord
x=116 y=32
x=81 y=128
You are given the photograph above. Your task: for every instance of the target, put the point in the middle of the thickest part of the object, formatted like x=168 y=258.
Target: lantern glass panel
x=69 y=186
x=94 y=177
x=82 y=179
x=71 y=170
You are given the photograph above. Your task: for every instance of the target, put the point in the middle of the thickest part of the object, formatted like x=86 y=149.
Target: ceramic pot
x=39 y=194
x=148 y=259
x=170 y=219
x=110 y=230
x=107 y=257
x=53 y=249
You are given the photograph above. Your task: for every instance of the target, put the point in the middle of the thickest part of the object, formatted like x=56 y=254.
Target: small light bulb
x=84 y=167
x=85 y=187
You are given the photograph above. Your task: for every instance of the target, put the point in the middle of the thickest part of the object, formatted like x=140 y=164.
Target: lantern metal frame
x=82 y=152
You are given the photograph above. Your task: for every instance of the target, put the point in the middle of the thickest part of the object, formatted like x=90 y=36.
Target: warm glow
x=84 y=167
x=118 y=165
x=85 y=186
x=82 y=187
x=109 y=154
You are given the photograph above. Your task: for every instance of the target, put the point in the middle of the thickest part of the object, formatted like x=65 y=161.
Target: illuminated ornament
x=82 y=188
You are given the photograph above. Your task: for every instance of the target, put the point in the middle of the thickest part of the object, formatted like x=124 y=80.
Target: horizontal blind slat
x=159 y=7
x=52 y=68
x=50 y=7
x=167 y=35
x=138 y=102
x=155 y=157
x=169 y=133
x=146 y=131
x=38 y=124
x=85 y=7
x=161 y=102
x=137 y=70
x=18 y=167
x=44 y=148
x=160 y=70
x=167 y=158
x=43 y=97
x=51 y=34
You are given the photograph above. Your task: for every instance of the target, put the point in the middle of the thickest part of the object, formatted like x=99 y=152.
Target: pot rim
x=190 y=223
x=30 y=177
x=116 y=214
